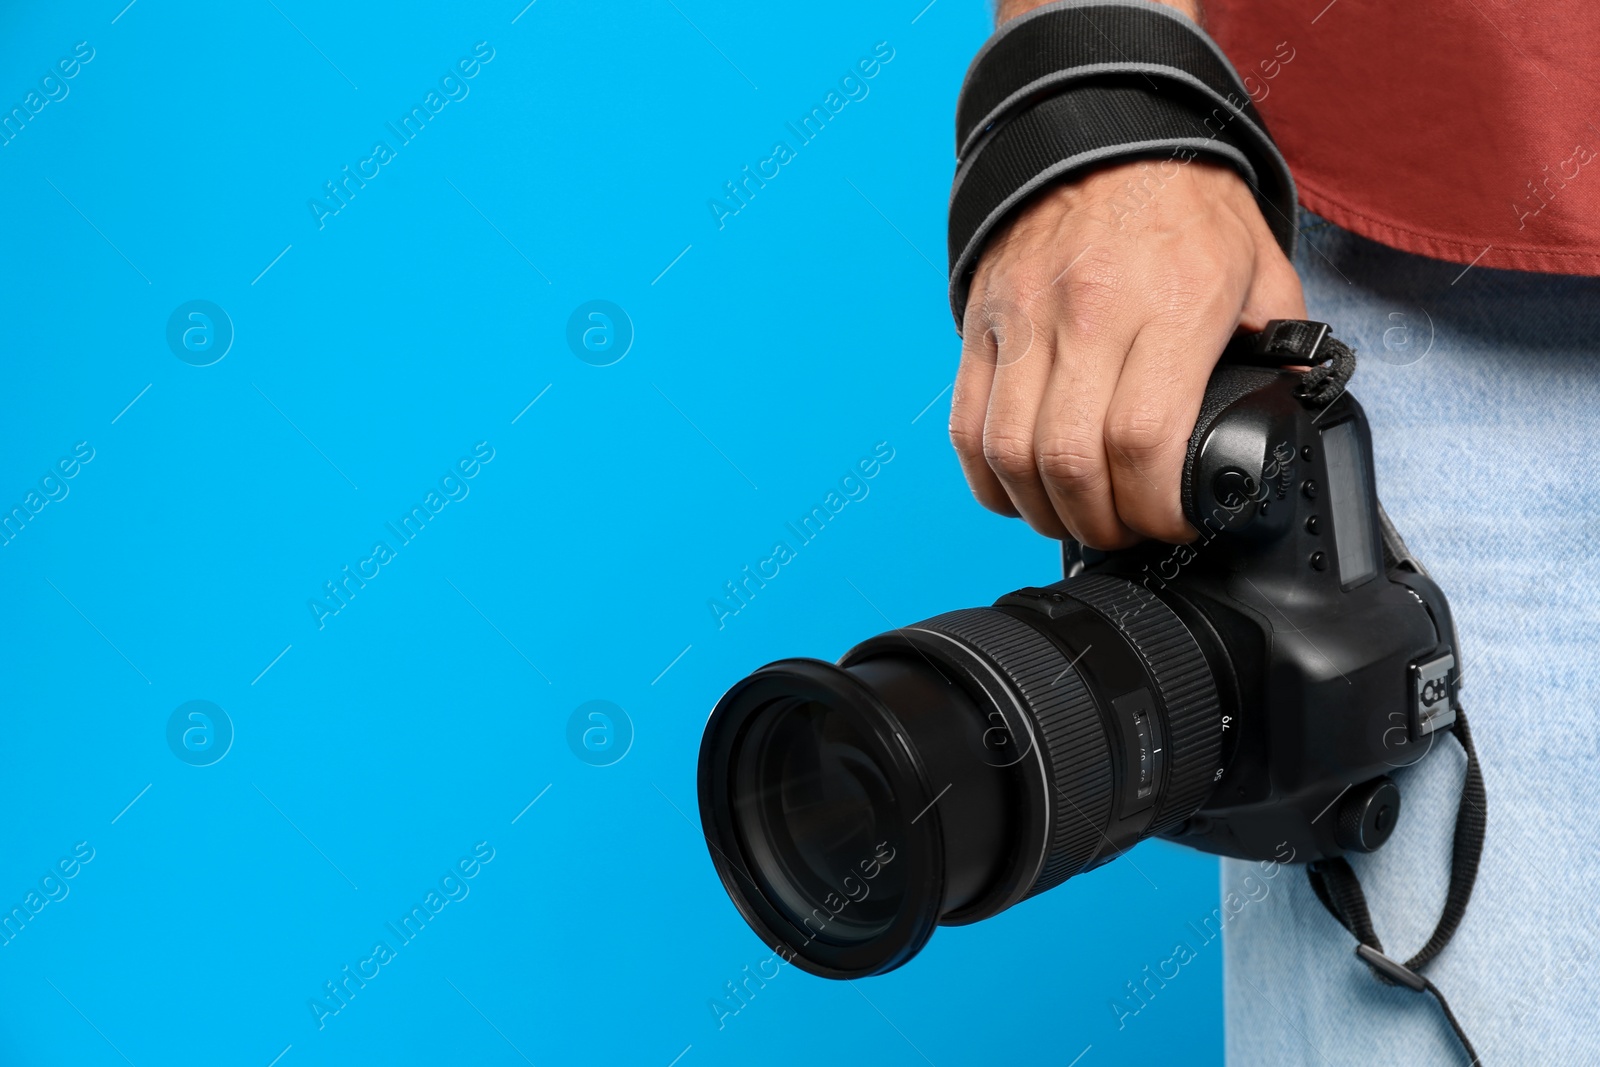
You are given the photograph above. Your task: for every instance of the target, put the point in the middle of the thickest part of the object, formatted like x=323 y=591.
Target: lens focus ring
x=1186 y=687
x=1068 y=725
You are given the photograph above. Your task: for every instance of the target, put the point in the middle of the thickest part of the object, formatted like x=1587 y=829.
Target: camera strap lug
x=1433 y=695
x=1299 y=343
x=1281 y=343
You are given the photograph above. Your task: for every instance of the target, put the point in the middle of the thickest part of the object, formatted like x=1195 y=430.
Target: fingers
x=1079 y=387
x=969 y=408
x=1093 y=339
x=1157 y=400
x=1151 y=416
x=1275 y=293
x=1025 y=356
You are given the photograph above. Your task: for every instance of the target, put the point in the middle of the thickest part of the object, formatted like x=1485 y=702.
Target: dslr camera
x=1245 y=694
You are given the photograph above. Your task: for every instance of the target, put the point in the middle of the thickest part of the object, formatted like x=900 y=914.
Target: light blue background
x=418 y=321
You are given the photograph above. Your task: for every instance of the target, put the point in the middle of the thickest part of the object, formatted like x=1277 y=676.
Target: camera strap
x=1336 y=885
x=1078 y=84
x=1299 y=343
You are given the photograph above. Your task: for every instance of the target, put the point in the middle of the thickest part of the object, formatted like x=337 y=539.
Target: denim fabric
x=1483 y=389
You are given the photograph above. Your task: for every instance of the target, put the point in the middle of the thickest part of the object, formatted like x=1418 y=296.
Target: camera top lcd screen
x=1348 y=496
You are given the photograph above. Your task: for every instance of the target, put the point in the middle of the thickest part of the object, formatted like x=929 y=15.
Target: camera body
x=1335 y=654
x=1246 y=694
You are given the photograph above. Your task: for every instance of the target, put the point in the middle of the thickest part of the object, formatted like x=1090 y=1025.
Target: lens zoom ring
x=1186 y=687
x=1066 y=722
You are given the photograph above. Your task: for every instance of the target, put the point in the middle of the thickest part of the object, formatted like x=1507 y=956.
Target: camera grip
x=1237 y=430
x=1252 y=403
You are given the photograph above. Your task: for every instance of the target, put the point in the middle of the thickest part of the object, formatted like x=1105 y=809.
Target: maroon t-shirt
x=1459 y=129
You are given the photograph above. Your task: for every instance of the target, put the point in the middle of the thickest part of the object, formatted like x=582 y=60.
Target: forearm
x=1005 y=10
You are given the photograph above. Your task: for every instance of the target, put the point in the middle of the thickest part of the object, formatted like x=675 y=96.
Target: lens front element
x=819 y=816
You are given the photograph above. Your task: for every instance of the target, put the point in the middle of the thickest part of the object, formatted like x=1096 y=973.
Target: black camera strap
x=1329 y=361
x=1076 y=85
x=1336 y=885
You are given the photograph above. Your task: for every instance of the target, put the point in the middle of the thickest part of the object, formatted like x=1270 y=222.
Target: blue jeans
x=1483 y=389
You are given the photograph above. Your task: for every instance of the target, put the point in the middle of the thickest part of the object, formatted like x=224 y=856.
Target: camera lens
x=811 y=800
x=821 y=792
x=940 y=773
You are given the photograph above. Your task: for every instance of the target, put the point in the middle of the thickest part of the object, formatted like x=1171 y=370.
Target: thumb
x=1274 y=292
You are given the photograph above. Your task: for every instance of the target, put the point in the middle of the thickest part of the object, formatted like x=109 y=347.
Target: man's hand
x=1094 y=321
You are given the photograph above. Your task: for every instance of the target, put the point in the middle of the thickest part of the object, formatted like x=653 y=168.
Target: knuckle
x=1072 y=462
x=1097 y=270
x=1180 y=299
x=975 y=322
x=1010 y=330
x=1009 y=453
x=1207 y=283
x=966 y=433
x=1029 y=284
x=1094 y=293
x=1140 y=435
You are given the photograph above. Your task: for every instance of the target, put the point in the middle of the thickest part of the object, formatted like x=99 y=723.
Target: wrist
x=1049 y=99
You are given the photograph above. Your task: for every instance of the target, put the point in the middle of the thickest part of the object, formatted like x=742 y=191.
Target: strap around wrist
x=1079 y=84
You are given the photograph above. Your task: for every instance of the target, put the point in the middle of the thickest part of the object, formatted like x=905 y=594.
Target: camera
x=1246 y=694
